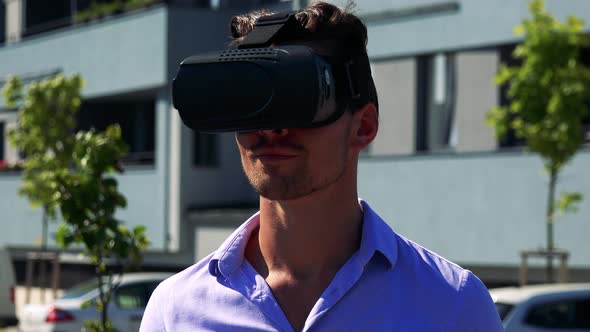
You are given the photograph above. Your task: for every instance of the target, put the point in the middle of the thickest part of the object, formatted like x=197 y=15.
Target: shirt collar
x=377 y=236
x=230 y=255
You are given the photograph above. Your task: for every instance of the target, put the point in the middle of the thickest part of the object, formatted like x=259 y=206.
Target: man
x=316 y=258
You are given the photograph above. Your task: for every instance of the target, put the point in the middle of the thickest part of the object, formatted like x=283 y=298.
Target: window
x=570 y=314
x=201 y=3
x=435 y=102
x=243 y=4
x=585 y=57
x=137 y=121
x=134 y=296
x=503 y=309
x=80 y=289
x=507 y=59
x=2 y=137
x=205 y=149
x=2 y=22
x=46 y=15
x=586 y=127
x=43 y=15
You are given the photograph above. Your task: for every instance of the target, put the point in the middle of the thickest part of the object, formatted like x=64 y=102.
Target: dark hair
x=320 y=21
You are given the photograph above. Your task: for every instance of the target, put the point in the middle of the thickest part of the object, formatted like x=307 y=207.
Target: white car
x=551 y=307
x=65 y=314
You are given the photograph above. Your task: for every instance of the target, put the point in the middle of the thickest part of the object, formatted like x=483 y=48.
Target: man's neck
x=308 y=237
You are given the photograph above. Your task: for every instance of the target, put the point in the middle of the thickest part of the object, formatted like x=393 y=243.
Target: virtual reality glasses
x=254 y=87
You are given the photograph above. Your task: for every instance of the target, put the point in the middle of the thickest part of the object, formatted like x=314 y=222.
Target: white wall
x=479 y=209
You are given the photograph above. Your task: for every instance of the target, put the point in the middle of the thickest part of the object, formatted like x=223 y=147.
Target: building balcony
x=123 y=54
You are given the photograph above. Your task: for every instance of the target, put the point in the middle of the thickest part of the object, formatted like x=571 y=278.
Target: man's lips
x=274 y=154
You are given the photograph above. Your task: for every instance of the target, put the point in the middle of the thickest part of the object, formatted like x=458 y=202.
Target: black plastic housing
x=255 y=88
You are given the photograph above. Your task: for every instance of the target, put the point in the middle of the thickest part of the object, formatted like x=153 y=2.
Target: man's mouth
x=274 y=154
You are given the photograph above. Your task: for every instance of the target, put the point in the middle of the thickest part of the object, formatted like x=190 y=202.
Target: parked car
x=66 y=314
x=551 y=307
x=7 y=284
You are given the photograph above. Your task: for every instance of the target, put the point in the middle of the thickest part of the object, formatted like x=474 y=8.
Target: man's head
x=329 y=30
x=291 y=163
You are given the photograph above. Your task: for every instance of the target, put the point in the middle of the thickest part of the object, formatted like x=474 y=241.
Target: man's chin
x=279 y=196
x=281 y=192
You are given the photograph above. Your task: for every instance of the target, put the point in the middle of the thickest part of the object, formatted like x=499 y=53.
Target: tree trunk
x=44 y=236
x=101 y=295
x=550 y=218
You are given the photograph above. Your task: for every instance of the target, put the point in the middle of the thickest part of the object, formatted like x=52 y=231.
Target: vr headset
x=258 y=86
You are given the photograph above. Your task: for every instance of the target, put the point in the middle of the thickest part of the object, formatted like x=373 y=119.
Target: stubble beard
x=300 y=182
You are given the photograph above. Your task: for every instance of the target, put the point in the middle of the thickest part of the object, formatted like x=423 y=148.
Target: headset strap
x=266 y=29
x=352 y=76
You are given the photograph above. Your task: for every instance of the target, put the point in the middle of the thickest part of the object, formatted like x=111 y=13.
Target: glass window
x=552 y=315
x=43 y=15
x=2 y=137
x=205 y=147
x=80 y=289
x=506 y=58
x=137 y=121
x=132 y=296
x=435 y=102
x=585 y=56
x=150 y=287
x=582 y=314
x=570 y=314
x=503 y=309
x=2 y=22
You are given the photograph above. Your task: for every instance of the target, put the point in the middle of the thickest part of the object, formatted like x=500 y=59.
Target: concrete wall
x=192 y=32
x=137 y=53
x=476 y=23
x=114 y=55
x=21 y=224
x=477 y=208
x=144 y=203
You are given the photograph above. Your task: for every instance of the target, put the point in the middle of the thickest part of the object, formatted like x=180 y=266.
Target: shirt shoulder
x=467 y=302
x=161 y=309
x=429 y=266
x=478 y=312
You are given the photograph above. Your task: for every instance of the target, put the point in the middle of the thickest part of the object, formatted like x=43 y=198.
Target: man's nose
x=270 y=133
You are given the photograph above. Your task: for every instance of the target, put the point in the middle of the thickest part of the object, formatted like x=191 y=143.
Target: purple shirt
x=389 y=284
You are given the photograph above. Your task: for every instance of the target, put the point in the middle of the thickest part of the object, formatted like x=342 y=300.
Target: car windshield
x=80 y=289
x=503 y=309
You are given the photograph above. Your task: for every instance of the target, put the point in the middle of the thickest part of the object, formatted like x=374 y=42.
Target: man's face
x=292 y=163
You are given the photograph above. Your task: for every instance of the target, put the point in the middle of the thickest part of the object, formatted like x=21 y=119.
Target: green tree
x=71 y=175
x=549 y=95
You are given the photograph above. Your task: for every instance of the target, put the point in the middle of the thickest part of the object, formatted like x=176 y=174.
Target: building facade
x=436 y=172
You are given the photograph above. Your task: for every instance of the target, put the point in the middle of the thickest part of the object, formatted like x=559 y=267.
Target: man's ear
x=365 y=126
